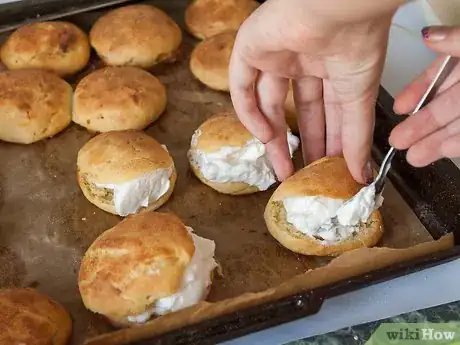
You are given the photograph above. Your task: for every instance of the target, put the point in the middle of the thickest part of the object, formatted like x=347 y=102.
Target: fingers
x=349 y=129
x=443 y=143
x=242 y=79
x=441 y=111
x=308 y=98
x=271 y=94
x=443 y=39
x=407 y=100
x=451 y=147
x=357 y=133
x=333 y=113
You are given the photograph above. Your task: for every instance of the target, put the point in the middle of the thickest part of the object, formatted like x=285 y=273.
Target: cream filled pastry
x=194 y=285
x=308 y=213
x=123 y=172
x=313 y=215
x=158 y=265
x=225 y=156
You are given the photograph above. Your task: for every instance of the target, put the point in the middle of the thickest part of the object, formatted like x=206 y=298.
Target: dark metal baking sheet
x=290 y=308
x=15 y=14
x=432 y=192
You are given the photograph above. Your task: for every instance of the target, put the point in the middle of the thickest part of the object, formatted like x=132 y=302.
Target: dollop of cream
x=248 y=164
x=312 y=215
x=195 y=281
x=130 y=196
x=358 y=208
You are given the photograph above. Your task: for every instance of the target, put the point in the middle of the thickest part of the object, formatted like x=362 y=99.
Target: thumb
x=443 y=39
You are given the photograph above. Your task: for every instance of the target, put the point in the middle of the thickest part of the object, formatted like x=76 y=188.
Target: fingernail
x=434 y=33
x=367 y=173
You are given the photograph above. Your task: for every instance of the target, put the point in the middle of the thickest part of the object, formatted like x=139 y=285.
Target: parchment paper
x=46 y=224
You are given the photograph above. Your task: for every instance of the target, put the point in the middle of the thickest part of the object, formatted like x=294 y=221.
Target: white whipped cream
x=195 y=282
x=359 y=208
x=247 y=164
x=312 y=215
x=129 y=197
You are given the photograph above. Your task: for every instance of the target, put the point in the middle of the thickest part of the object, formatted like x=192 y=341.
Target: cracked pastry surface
x=206 y=18
x=124 y=172
x=210 y=60
x=30 y=317
x=118 y=98
x=135 y=269
x=135 y=35
x=56 y=46
x=299 y=213
x=34 y=105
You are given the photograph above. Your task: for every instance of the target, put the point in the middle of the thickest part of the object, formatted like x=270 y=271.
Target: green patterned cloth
x=358 y=335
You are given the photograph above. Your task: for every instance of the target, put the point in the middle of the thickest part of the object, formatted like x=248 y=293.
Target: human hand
x=334 y=52
x=434 y=131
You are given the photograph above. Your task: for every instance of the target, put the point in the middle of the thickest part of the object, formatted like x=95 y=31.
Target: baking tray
x=433 y=193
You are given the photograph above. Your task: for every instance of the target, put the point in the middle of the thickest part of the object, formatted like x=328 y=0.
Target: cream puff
x=206 y=18
x=34 y=105
x=226 y=157
x=30 y=317
x=123 y=172
x=149 y=264
x=210 y=60
x=118 y=98
x=135 y=35
x=291 y=111
x=56 y=46
x=308 y=215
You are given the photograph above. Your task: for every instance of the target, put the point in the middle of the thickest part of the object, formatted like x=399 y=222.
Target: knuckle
x=454 y=129
x=422 y=123
x=303 y=107
x=272 y=109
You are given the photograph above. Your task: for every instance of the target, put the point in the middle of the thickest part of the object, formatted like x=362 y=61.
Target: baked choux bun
x=59 y=47
x=226 y=157
x=291 y=112
x=34 y=105
x=123 y=172
x=118 y=98
x=135 y=35
x=206 y=18
x=210 y=60
x=209 y=63
x=32 y=318
x=299 y=213
x=148 y=264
